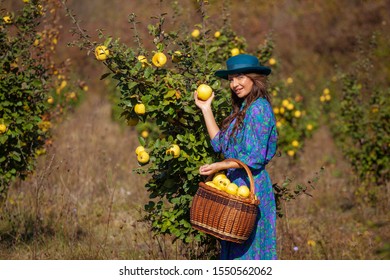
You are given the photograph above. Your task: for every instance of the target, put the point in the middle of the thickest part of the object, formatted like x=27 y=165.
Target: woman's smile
x=240 y=84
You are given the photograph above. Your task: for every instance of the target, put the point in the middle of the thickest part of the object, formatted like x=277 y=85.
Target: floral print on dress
x=255 y=145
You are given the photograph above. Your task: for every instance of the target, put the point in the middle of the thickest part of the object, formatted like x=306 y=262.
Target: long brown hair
x=259 y=90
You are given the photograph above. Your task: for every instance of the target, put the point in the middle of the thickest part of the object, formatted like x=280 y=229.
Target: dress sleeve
x=216 y=142
x=258 y=143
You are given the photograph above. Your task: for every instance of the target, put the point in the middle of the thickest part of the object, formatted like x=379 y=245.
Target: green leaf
x=107 y=42
x=105 y=75
x=142 y=141
x=15 y=156
x=170 y=93
x=213 y=49
x=188 y=239
x=131 y=85
x=148 y=72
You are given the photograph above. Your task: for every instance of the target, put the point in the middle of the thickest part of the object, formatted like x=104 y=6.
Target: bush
x=361 y=127
x=29 y=100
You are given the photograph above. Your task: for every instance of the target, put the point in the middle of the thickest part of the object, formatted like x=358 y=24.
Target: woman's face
x=240 y=84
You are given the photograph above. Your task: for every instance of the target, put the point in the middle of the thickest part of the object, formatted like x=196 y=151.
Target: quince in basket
x=211 y=184
x=231 y=189
x=221 y=181
x=243 y=191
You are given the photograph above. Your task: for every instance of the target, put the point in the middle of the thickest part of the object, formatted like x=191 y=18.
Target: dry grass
x=332 y=224
x=84 y=200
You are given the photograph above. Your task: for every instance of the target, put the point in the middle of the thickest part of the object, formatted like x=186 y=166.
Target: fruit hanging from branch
x=102 y=53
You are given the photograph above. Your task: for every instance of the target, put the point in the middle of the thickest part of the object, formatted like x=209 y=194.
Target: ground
x=85 y=202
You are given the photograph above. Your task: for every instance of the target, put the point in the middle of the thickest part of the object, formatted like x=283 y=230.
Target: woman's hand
x=203 y=105
x=209 y=169
x=212 y=168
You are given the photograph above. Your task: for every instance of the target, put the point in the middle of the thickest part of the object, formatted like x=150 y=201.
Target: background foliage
x=35 y=88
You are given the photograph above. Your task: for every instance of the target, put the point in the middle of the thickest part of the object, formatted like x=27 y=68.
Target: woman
x=249 y=135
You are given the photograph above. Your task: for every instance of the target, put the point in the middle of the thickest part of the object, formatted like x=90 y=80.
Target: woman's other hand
x=203 y=105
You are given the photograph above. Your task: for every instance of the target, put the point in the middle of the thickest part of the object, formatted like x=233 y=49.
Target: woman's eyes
x=239 y=77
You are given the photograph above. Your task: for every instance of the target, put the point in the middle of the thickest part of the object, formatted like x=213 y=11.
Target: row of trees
x=36 y=90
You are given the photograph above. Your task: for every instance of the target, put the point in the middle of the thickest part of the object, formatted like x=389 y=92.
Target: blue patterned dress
x=255 y=145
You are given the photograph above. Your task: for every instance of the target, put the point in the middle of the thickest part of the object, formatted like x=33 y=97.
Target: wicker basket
x=227 y=217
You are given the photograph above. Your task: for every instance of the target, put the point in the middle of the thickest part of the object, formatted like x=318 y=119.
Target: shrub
x=29 y=100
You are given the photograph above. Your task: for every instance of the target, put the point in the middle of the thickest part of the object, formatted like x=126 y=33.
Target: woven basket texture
x=227 y=217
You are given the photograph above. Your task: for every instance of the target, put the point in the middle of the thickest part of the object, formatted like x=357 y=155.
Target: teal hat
x=243 y=63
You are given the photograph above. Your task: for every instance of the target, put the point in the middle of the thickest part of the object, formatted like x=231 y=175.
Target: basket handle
x=248 y=171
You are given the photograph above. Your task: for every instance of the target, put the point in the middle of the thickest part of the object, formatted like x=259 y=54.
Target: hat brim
x=258 y=69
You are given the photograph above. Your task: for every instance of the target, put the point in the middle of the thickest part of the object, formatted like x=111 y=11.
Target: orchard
x=330 y=174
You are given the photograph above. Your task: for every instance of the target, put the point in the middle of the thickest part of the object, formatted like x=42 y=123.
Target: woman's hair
x=259 y=90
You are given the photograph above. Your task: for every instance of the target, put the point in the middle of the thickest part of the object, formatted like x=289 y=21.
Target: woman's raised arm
x=205 y=106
